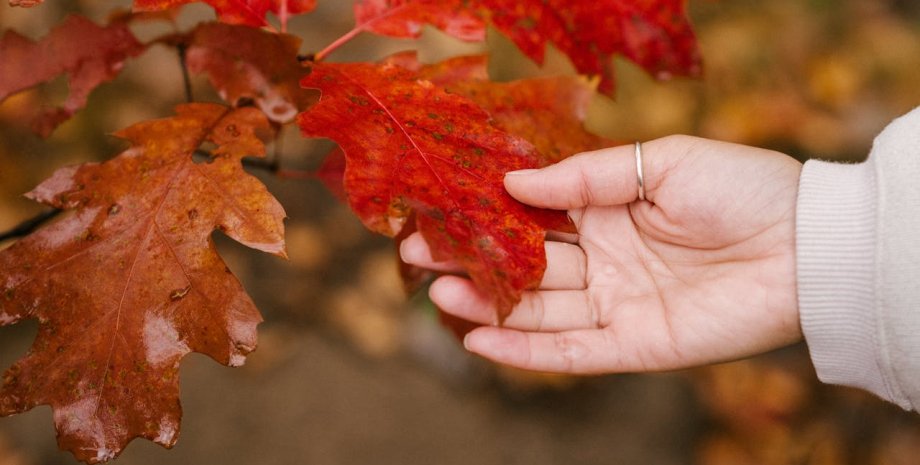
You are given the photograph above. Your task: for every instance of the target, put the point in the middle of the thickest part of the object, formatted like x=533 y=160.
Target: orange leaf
x=130 y=282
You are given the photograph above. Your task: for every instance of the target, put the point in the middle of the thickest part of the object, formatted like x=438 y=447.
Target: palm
x=668 y=305
x=703 y=272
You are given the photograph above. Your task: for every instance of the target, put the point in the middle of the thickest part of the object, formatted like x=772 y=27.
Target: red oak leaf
x=130 y=282
x=656 y=34
x=88 y=54
x=411 y=146
x=245 y=12
x=332 y=173
x=405 y=18
x=247 y=63
x=549 y=113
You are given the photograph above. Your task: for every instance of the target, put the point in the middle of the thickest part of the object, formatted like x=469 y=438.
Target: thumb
x=603 y=177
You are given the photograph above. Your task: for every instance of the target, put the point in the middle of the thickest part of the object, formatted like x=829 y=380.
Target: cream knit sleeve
x=858 y=266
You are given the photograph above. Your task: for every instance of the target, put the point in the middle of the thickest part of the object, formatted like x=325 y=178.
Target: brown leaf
x=247 y=63
x=130 y=282
x=88 y=54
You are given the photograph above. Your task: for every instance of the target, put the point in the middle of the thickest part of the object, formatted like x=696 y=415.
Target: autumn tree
x=123 y=275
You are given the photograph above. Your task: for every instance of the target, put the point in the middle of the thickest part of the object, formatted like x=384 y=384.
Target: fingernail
x=408 y=253
x=466 y=342
x=521 y=172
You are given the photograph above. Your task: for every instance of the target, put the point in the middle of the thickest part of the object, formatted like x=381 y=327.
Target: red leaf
x=656 y=34
x=548 y=112
x=245 y=12
x=332 y=173
x=88 y=54
x=130 y=282
x=405 y=18
x=411 y=146
x=247 y=63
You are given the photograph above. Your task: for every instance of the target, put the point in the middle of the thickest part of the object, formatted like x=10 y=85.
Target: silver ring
x=639 y=175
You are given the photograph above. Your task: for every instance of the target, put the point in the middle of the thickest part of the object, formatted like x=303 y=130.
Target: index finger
x=601 y=178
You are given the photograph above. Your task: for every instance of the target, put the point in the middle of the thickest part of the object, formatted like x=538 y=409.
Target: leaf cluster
x=127 y=281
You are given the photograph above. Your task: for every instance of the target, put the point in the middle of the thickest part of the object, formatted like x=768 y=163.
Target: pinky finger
x=578 y=352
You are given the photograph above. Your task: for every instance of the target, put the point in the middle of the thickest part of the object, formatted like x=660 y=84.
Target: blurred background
x=351 y=371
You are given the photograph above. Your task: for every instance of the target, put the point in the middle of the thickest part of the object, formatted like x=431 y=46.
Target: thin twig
x=186 y=79
x=272 y=165
x=28 y=226
x=322 y=54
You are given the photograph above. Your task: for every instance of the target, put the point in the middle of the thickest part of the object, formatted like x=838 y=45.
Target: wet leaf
x=405 y=18
x=245 y=12
x=412 y=147
x=246 y=63
x=655 y=34
x=87 y=54
x=549 y=113
x=129 y=282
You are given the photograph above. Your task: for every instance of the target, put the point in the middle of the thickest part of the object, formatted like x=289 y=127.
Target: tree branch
x=272 y=165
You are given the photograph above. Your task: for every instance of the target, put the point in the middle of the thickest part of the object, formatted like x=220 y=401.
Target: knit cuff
x=835 y=254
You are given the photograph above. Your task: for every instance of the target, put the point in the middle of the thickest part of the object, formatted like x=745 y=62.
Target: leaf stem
x=28 y=226
x=339 y=42
x=283 y=16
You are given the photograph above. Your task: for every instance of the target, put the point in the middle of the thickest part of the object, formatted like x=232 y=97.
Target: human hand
x=701 y=272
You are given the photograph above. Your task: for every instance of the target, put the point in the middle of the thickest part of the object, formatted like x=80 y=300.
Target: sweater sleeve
x=858 y=266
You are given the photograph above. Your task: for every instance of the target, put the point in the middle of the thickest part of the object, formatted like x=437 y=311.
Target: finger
x=582 y=352
x=566 y=267
x=557 y=236
x=566 y=263
x=537 y=311
x=414 y=250
x=603 y=177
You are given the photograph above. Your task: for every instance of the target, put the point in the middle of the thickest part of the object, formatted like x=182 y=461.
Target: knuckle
x=537 y=310
x=585 y=188
x=571 y=350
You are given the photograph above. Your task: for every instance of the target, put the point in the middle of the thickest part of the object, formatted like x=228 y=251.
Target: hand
x=701 y=272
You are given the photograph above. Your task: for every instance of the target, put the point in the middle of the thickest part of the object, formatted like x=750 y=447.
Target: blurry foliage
x=811 y=78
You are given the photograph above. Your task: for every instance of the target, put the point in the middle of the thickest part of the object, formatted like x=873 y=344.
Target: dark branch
x=28 y=226
x=272 y=165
